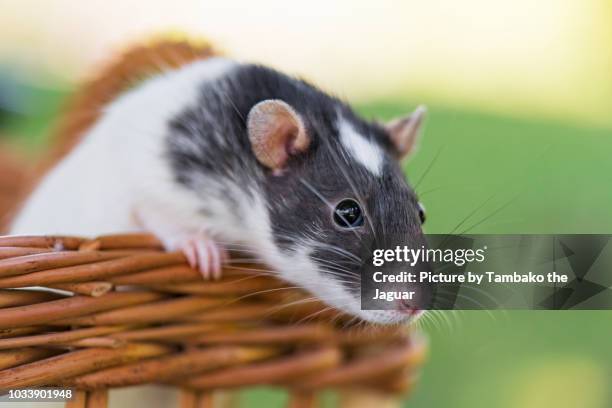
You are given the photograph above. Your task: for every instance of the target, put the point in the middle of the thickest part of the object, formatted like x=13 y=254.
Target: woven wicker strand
x=124 y=312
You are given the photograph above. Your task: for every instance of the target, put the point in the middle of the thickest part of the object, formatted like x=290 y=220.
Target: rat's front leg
x=204 y=253
x=196 y=243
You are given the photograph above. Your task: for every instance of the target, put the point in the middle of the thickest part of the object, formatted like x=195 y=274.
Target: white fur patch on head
x=365 y=152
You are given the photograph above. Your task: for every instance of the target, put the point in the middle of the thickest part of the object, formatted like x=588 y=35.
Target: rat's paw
x=204 y=254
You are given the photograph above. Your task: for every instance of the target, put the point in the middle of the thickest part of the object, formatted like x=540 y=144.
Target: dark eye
x=348 y=214
x=422 y=213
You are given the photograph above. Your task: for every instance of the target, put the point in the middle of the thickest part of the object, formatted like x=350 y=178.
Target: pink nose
x=406 y=307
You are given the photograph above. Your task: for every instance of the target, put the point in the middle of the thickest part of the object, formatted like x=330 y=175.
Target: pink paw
x=204 y=254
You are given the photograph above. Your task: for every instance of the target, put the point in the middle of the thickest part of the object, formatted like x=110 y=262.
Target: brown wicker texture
x=132 y=314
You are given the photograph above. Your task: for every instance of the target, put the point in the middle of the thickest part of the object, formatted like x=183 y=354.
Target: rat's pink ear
x=276 y=132
x=404 y=132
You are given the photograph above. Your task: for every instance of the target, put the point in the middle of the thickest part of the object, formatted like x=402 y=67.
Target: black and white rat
x=219 y=154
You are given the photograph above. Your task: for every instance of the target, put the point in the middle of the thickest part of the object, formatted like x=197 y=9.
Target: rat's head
x=336 y=191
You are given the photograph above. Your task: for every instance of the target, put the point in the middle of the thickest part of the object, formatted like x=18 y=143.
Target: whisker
x=497 y=211
x=429 y=167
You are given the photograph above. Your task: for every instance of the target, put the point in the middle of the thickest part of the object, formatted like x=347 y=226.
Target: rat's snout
x=422 y=293
x=409 y=308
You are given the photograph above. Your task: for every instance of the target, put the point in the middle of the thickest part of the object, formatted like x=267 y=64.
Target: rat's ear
x=404 y=132
x=276 y=132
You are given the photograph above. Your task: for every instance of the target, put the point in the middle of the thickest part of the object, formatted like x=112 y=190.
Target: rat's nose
x=407 y=307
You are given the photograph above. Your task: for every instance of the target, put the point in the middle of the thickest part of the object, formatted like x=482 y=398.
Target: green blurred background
x=518 y=140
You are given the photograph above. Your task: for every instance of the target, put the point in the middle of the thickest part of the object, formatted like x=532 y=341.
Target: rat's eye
x=348 y=214
x=422 y=213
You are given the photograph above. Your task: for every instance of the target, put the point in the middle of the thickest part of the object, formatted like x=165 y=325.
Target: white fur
x=367 y=153
x=117 y=166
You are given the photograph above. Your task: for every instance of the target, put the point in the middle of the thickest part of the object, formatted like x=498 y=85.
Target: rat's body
x=216 y=154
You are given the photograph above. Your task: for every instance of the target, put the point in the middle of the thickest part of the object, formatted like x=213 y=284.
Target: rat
x=219 y=154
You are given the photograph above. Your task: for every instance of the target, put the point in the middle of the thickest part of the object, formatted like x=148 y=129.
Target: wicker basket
x=128 y=313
